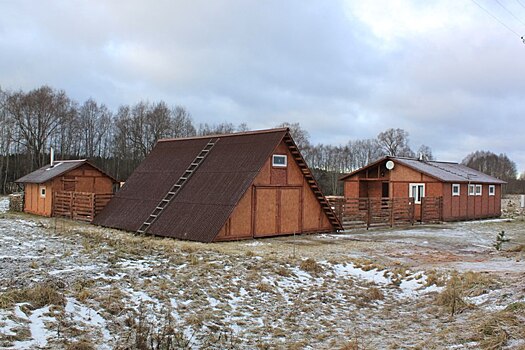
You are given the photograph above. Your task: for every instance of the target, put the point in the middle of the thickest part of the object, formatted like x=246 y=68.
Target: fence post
x=441 y=209
x=391 y=201
x=422 y=209
x=411 y=210
x=92 y=206
x=71 y=204
x=368 y=213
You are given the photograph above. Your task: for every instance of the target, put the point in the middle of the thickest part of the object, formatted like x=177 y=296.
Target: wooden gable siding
x=82 y=179
x=279 y=201
x=35 y=203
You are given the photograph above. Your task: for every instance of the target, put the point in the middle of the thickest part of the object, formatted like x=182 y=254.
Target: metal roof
x=443 y=171
x=208 y=198
x=448 y=171
x=49 y=172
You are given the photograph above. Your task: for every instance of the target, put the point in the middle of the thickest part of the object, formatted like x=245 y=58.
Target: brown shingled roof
x=48 y=172
x=208 y=198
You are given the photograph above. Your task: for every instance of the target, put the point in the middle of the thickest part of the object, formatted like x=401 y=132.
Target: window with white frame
x=455 y=189
x=416 y=191
x=279 y=160
x=492 y=190
x=471 y=190
x=42 y=192
x=478 y=190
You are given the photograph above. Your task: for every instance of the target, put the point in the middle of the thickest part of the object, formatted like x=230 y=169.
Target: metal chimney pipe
x=52 y=156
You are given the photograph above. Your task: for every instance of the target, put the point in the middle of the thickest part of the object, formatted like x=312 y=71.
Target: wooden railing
x=81 y=206
x=381 y=212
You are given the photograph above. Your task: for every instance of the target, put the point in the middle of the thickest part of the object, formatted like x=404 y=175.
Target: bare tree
x=94 y=124
x=38 y=114
x=216 y=129
x=300 y=135
x=182 y=123
x=394 y=142
x=425 y=152
x=6 y=137
x=243 y=127
x=364 y=152
x=499 y=166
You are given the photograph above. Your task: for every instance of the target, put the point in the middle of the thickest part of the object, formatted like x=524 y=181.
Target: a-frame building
x=222 y=187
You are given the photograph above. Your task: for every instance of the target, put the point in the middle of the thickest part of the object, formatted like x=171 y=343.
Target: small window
x=492 y=190
x=471 y=190
x=416 y=191
x=478 y=190
x=279 y=160
x=455 y=189
x=43 y=192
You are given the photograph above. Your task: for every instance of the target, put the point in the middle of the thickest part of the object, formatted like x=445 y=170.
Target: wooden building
x=224 y=187
x=463 y=193
x=43 y=187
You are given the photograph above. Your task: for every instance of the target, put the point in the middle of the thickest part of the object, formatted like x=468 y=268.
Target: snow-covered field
x=65 y=285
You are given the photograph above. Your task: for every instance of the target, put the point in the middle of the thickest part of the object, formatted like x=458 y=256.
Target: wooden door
x=265 y=211
x=277 y=211
x=290 y=210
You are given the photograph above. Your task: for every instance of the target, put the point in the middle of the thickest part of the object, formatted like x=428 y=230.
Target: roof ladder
x=175 y=189
x=334 y=220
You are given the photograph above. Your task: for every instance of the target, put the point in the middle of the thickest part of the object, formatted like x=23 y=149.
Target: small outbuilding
x=70 y=188
x=223 y=187
x=451 y=191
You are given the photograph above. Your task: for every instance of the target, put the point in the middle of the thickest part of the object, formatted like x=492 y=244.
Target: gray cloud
x=456 y=86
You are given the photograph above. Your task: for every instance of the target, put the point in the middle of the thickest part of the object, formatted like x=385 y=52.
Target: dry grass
x=81 y=345
x=38 y=296
x=435 y=277
x=463 y=285
x=498 y=329
x=265 y=287
x=518 y=249
x=283 y=271
x=310 y=265
x=113 y=301
x=373 y=293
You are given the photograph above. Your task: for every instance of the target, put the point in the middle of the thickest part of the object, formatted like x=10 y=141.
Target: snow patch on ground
x=38 y=329
x=88 y=317
x=4 y=204
x=412 y=285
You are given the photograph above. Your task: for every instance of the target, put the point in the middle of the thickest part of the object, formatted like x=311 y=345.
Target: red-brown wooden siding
x=462 y=207
x=279 y=202
x=85 y=177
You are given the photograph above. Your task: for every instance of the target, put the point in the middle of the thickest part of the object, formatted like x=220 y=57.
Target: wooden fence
x=79 y=205
x=381 y=212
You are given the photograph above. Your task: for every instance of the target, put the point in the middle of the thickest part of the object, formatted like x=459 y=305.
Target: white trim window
x=279 y=160
x=456 y=188
x=492 y=190
x=478 y=190
x=42 y=191
x=416 y=191
x=471 y=190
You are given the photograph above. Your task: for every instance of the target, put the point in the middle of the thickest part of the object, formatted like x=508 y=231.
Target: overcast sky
x=445 y=71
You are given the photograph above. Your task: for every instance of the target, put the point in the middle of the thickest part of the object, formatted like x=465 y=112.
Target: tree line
x=31 y=122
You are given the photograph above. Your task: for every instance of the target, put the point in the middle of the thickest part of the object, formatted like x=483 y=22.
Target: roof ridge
x=242 y=133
